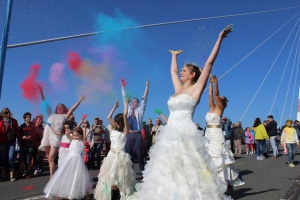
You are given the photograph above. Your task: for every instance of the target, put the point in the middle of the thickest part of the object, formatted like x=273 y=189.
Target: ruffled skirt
x=115 y=170
x=180 y=168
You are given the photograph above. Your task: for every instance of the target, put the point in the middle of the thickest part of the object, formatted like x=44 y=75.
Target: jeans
x=96 y=149
x=274 y=146
x=134 y=142
x=7 y=151
x=267 y=146
x=291 y=148
x=259 y=144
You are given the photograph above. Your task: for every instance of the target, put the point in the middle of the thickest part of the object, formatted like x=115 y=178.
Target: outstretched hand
x=158 y=111
x=123 y=83
x=148 y=81
x=175 y=52
x=81 y=98
x=228 y=29
x=83 y=117
x=116 y=104
x=127 y=98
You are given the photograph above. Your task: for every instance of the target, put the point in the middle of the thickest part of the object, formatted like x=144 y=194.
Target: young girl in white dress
x=65 y=142
x=116 y=178
x=72 y=179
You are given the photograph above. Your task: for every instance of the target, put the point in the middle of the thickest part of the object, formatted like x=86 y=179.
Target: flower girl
x=72 y=179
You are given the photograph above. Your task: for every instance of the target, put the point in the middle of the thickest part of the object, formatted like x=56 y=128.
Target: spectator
x=9 y=132
x=148 y=129
x=98 y=131
x=260 y=137
x=155 y=130
x=238 y=135
x=271 y=129
x=289 y=139
x=39 y=159
x=28 y=148
x=226 y=128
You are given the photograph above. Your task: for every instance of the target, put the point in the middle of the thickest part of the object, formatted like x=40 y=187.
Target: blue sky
x=138 y=54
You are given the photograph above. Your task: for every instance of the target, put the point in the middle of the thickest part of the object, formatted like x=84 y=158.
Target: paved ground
x=270 y=179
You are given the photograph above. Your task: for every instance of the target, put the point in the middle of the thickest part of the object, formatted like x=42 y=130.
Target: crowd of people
x=177 y=159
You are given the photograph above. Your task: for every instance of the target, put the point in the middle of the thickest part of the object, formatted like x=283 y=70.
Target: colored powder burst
x=74 y=61
x=26 y=188
x=30 y=86
x=118 y=38
x=56 y=76
x=94 y=76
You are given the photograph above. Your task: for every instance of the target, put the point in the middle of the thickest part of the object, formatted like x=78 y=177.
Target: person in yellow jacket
x=260 y=138
x=289 y=138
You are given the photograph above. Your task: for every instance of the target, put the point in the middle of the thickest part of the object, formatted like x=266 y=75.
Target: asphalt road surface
x=270 y=179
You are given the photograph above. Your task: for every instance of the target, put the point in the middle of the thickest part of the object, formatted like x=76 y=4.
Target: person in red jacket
x=9 y=132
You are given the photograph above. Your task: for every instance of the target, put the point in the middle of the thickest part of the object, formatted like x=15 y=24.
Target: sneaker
x=38 y=172
x=251 y=153
x=262 y=157
x=247 y=153
x=291 y=165
x=259 y=158
x=12 y=179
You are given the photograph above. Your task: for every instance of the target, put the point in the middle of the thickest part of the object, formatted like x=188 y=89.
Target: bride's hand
x=175 y=52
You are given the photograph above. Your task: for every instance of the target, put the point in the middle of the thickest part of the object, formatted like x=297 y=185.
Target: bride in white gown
x=221 y=156
x=179 y=168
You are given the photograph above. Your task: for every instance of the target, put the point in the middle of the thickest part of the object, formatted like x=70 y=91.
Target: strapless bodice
x=182 y=109
x=212 y=119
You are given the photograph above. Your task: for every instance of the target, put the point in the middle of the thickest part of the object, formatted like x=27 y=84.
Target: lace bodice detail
x=182 y=109
x=118 y=141
x=213 y=119
x=76 y=147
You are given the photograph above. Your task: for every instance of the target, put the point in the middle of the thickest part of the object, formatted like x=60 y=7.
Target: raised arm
x=52 y=129
x=81 y=121
x=74 y=107
x=123 y=83
x=211 y=59
x=210 y=96
x=146 y=89
x=158 y=111
x=219 y=103
x=174 y=70
x=49 y=111
x=125 y=113
x=109 y=117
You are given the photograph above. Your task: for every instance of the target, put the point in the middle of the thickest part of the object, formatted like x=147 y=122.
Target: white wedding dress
x=116 y=170
x=179 y=167
x=221 y=156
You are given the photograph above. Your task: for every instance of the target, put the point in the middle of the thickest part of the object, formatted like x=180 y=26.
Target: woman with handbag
x=9 y=132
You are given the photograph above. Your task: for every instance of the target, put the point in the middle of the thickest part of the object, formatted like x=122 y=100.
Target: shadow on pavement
x=243 y=192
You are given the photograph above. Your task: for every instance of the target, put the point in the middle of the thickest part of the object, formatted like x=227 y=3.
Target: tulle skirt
x=71 y=180
x=179 y=168
x=115 y=170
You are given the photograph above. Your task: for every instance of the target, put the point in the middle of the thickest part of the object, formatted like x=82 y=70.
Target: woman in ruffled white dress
x=221 y=156
x=50 y=142
x=72 y=179
x=116 y=179
x=179 y=167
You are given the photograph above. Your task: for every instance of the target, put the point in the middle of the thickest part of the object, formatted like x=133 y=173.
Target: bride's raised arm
x=174 y=70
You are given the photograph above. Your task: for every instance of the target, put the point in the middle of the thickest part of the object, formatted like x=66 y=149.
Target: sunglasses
x=7 y=113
